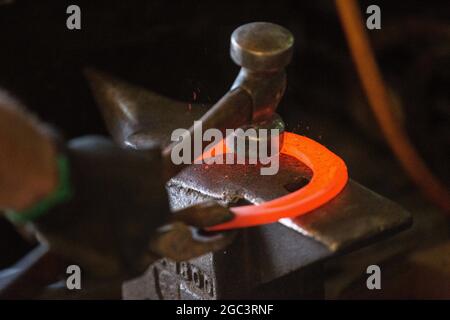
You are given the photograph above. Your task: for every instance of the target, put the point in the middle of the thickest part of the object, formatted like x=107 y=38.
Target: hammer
x=262 y=50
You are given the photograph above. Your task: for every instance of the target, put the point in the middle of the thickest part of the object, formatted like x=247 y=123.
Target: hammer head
x=263 y=50
x=261 y=47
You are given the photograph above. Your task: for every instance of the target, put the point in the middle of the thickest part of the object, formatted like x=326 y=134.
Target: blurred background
x=181 y=50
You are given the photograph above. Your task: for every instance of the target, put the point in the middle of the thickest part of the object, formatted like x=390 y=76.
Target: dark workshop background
x=177 y=48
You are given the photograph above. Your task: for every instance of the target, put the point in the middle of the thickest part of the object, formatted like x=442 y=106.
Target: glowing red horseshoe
x=329 y=178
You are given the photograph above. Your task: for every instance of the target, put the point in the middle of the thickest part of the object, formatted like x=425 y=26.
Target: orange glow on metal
x=329 y=178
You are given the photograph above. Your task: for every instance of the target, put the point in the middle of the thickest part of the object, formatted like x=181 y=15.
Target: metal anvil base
x=280 y=260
